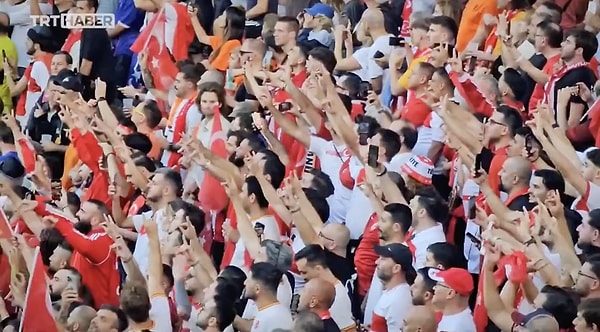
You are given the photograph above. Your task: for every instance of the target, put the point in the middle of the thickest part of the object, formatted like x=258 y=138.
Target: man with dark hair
x=312 y=263
x=184 y=114
x=7 y=144
x=147 y=116
x=547 y=10
x=285 y=32
x=92 y=256
x=588 y=315
x=442 y=29
x=589 y=239
x=109 y=318
x=443 y=255
x=61 y=60
x=96 y=56
x=261 y=286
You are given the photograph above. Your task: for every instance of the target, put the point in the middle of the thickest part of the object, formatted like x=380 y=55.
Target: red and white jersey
x=183 y=118
x=72 y=45
x=271 y=232
x=589 y=201
x=391 y=309
x=419 y=242
x=460 y=322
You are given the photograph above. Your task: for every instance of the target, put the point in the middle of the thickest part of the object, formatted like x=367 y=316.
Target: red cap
x=460 y=280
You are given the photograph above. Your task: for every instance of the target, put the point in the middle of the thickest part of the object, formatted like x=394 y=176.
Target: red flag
x=37 y=311
x=212 y=196
x=594 y=114
x=152 y=40
x=6 y=231
x=27 y=155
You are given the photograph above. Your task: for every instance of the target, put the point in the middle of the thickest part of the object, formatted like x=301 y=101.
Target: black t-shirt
x=538 y=61
x=354 y=10
x=96 y=47
x=330 y=325
x=58 y=32
x=341 y=267
x=582 y=74
x=520 y=202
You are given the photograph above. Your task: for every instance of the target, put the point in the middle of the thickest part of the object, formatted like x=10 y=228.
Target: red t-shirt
x=96 y=262
x=538 y=91
x=365 y=255
x=416 y=112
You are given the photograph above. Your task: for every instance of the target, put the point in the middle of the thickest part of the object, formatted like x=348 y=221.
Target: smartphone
x=373 y=156
x=363 y=90
x=363 y=133
x=256 y=118
x=478 y=161
x=396 y=41
x=267 y=59
x=475 y=239
x=378 y=55
x=285 y=106
x=471 y=65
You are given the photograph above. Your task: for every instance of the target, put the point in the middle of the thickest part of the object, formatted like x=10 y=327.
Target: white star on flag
x=155 y=63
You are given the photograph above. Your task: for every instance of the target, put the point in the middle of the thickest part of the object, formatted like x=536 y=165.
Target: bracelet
x=101 y=99
x=382 y=172
x=555 y=125
x=296 y=210
x=529 y=242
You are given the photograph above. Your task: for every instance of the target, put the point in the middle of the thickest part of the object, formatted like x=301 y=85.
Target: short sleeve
x=272 y=230
x=437 y=133
x=159 y=313
x=40 y=74
x=138 y=220
x=250 y=310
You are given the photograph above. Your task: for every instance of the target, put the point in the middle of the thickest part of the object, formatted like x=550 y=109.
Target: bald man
x=80 y=318
x=318 y=296
x=335 y=238
x=514 y=180
x=420 y=318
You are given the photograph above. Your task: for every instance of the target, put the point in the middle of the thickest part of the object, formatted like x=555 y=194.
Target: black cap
x=401 y=255
x=43 y=36
x=68 y=80
x=12 y=168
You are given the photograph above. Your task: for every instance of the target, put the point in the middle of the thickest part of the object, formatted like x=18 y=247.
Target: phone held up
x=373 y=156
x=363 y=133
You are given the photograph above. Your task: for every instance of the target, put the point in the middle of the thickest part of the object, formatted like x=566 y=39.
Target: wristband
x=529 y=242
x=382 y=172
x=555 y=125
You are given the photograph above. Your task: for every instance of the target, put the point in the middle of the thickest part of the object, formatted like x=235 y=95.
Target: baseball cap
x=320 y=9
x=419 y=168
x=522 y=320
x=400 y=254
x=460 y=280
x=68 y=80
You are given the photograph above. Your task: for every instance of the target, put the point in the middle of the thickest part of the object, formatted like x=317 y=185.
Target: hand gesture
x=121 y=250
x=565 y=94
x=143 y=59
x=68 y=296
x=7 y=68
x=188 y=230
x=456 y=63
x=231 y=189
x=522 y=231
x=397 y=57
x=489 y=20
x=151 y=226
x=584 y=92
x=192 y=11
x=479 y=176
x=129 y=91
x=18 y=289
x=252 y=162
x=502 y=28
x=491 y=257
x=554 y=204
x=100 y=89
x=10 y=122
x=265 y=99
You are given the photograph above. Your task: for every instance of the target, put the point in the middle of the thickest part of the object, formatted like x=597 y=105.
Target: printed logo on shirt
x=75 y=21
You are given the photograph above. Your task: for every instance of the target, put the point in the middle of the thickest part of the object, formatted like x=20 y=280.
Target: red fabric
x=46 y=59
x=4 y=275
x=136 y=206
x=498 y=160
x=555 y=77
x=152 y=40
x=89 y=153
x=28 y=156
x=212 y=196
x=411 y=246
x=474 y=98
x=281 y=95
x=345 y=177
x=38 y=315
x=229 y=245
x=406 y=13
x=95 y=260
x=73 y=37
x=415 y=111
x=538 y=92
x=357 y=109
x=458 y=212
x=179 y=129
x=518 y=106
x=365 y=255
x=378 y=323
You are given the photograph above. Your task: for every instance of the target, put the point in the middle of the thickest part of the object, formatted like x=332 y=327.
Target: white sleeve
x=138 y=220
x=40 y=74
x=355 y=167
x=420 y=257
x=160 y=313
x=318 y=146
x=437 y=133
x=341 y=310
x=593 y=196
x=250 y=310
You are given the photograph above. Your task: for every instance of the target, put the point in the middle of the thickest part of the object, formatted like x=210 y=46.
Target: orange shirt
x=472 y=19
x=221 y=61
x=156 y=145
x=71 y=159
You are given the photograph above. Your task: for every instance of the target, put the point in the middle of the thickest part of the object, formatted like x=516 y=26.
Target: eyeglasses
x=586 y=275
x=492 y=121
x=325 y=237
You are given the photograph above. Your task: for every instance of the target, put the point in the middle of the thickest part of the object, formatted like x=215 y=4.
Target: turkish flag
x=212 y=196
x=37 y=312
x=27 y=155
x=594 y=127
x=160 y=63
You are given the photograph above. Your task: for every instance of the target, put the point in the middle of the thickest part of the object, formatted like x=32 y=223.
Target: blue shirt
x=131 y=18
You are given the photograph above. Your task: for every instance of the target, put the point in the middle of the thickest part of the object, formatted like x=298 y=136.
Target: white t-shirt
x=297 y=245
x=20 y=18
x=391 y=309
x=397 y=161
x=591 y=198
x=332 y=158
x=192 y=120
x=159 y=313
x=341 y=310
x=359 y=209
x=284 y=296
x=375 y=291
x=276 y=316
x=40 y=76
x=141 y=251
x=460 y=322
x=423 y=240
x=362 y=57
x=271 y=232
